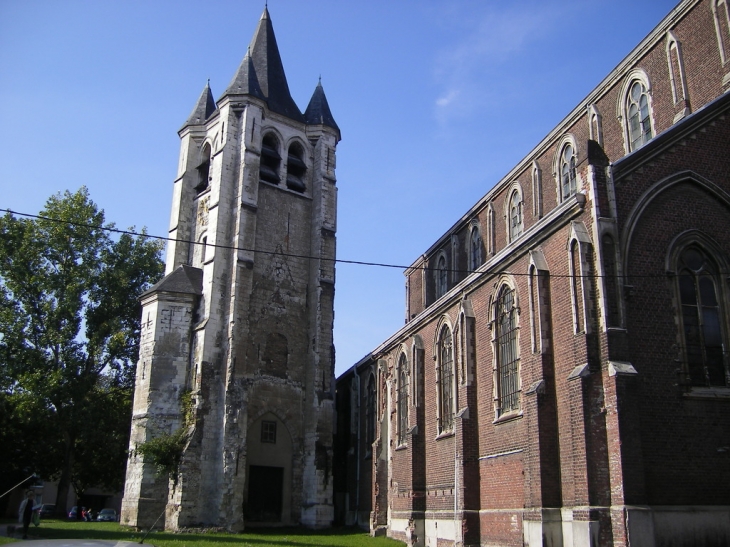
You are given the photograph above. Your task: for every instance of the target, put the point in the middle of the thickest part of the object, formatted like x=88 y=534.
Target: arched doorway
x=267 y=496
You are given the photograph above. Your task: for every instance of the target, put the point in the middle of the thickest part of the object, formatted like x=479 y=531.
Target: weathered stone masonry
x=242 y=322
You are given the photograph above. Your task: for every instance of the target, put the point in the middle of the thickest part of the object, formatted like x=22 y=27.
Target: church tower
x=237 y=356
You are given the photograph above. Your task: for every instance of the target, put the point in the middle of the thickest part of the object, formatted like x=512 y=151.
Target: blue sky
x=436 y=101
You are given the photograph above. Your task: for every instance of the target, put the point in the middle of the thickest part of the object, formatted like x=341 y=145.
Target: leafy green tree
x=69 y=336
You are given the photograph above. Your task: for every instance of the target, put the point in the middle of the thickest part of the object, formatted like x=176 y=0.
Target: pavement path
x=37 y=542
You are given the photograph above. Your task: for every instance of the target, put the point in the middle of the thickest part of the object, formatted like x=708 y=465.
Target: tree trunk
x=65 y=480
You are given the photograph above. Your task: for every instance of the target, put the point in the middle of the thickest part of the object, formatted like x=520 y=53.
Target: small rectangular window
x=268 y=432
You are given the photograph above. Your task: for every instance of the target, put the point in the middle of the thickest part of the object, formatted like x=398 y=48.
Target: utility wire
x=307 y=257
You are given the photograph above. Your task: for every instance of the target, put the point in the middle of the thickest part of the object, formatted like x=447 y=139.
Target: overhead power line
x=293 y=255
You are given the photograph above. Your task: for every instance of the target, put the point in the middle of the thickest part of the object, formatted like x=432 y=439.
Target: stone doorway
x=265 y=489
x=268 y=490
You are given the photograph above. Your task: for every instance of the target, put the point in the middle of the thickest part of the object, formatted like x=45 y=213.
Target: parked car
x=47 y=510
x=107 y=515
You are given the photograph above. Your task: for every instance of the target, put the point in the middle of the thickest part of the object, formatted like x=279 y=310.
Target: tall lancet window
x=702 y=318
x=475 y=248
x=203 y=169
x=296 y=168
x=402 y=398
x=508 y=355
x=637 y=109
x=270 y=160
x=445 y=381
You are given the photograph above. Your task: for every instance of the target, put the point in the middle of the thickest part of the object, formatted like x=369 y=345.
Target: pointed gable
x=318 y=111
x=203 y=108
x=263 y=74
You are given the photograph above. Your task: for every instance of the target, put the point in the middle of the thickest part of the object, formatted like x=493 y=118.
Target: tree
x=69 y=335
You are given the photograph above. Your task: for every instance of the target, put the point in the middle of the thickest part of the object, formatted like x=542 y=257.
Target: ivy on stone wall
x=166 y=450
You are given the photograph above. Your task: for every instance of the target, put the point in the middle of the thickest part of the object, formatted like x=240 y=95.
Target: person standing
x=25 y=513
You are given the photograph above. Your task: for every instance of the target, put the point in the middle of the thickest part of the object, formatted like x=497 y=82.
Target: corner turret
x=318 y=111
x=203 y=108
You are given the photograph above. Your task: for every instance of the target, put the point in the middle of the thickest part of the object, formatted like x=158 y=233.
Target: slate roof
x=318 y=111
x=203 y=108
x=261 y=73
x=184 y=279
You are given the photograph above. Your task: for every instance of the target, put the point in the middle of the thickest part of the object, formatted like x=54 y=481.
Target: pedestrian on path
x=25 y=513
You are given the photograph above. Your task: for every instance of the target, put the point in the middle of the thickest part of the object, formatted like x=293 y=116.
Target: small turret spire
x=204 y=107
x=318 y=111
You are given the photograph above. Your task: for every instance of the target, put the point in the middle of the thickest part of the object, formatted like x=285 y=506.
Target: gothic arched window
x=203 y=169
x=568 y=184
x=475 y=248
x=638 y=115
x=703 y=331
x=270 y=159
x=515 y=216
x=445 y=380
x=442 y=277
x=507 y=353
x=296 y=168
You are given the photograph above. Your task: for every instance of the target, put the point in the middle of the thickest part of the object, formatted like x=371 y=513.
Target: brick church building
x=563 y=374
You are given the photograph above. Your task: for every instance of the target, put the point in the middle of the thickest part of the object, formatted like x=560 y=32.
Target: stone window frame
x=538 y=276
x=491 y=243
x=536 y=174
x=514 y=207
x=466 y=351
x=445 y=376
x=636 y=76
x=268 y=431
x=595 y=124
x=474 y=245
x=505 y=284
x=677 y=78
x=297 y=167
x=559 y=162
x=722 y=32
x=276 y=160
x=417 y=362
x=440 y=275
x=579 y=247
x=609 y=276
x=695 y=239
x=402 y=392
x=203 y=167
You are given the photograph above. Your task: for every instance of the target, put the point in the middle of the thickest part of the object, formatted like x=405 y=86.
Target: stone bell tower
x=237 y=346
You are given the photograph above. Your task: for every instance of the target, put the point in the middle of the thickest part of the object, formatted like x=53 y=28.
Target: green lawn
x=281 y=537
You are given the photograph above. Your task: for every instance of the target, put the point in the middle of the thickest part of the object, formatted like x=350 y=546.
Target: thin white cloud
x=491 y=36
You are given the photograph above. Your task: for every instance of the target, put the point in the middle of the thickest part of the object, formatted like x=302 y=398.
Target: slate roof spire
x=318 y=111
x=203 y=108
x=261 y=73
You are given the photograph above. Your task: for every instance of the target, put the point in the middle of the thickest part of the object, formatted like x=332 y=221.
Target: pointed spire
x=266 y=69
x=318 y=111
x=245 y=81
x=203 y=108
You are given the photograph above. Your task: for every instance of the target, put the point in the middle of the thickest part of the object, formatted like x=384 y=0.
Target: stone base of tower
x=142 y=512
x=318 y=516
